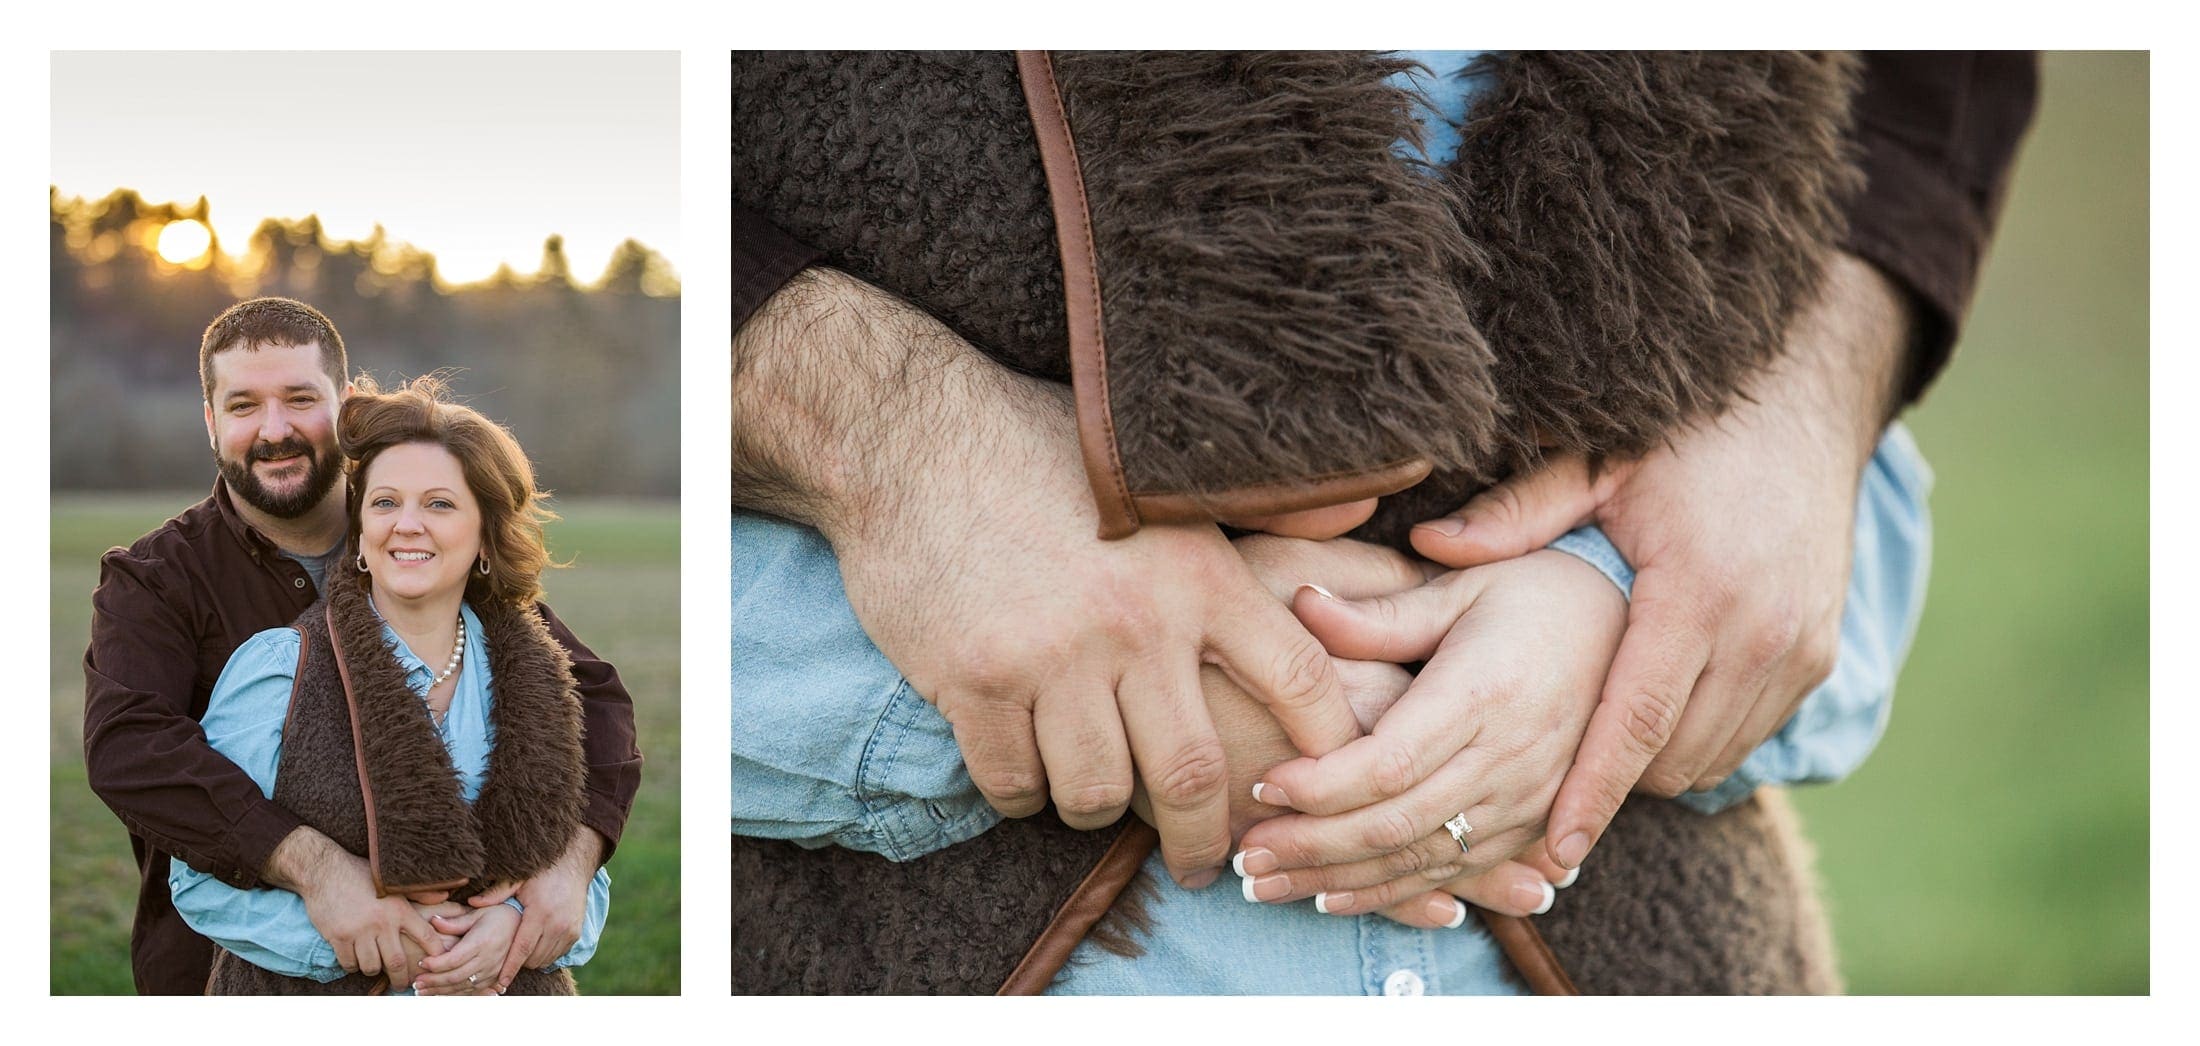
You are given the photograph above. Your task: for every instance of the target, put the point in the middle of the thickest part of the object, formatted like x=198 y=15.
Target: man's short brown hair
x=266 y=322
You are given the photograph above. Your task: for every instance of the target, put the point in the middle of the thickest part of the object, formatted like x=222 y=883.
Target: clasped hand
x=1514 y=651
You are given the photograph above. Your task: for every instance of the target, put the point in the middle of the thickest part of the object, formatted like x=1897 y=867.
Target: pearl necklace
x=458 y=650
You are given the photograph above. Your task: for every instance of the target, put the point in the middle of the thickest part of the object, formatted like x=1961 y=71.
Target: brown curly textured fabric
x=424 y=834
x=1622 y=239
x=1255 y=232
x=1669 y=212
x=956 y=922
x=1644 y=226
x=1278 y=280
x=1677 y=903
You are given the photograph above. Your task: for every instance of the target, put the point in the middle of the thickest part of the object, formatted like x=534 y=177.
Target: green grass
x=621 y=596
x=1997 y=841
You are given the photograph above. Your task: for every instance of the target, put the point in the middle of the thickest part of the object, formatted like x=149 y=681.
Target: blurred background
x=508 y=218
x=1997 y=841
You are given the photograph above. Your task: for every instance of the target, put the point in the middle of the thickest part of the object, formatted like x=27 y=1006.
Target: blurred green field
x=1997 y=841
x=621 y=596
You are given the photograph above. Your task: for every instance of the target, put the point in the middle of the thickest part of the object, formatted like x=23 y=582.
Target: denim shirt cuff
x=1588 y=544
x=901 y=826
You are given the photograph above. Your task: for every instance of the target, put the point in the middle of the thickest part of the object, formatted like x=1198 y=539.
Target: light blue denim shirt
x=831 y=746
x=244 y=721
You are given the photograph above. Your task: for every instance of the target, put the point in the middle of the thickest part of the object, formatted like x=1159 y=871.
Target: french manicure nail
x=1450 y=910
x=1449 y=526
x=1270 y=794
x=1256 y=861
x=1320 y=591
x=1245 y=886
x=1267 y=887
x=1536 y=897
x=1573 y=848
x=1323 y=902
x=1571 y=875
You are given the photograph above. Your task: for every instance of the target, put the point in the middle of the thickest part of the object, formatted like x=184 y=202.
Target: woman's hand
x=469 y=967
x=1741 y=531
x=1516 y=652
x=1254 y=743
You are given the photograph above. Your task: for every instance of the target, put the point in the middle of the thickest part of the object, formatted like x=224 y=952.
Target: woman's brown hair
x=496 y=471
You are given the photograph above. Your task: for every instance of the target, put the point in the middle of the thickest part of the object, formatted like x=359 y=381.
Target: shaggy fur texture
x=1277 y=284
x=1275 y=279
x=1647 y=223
x=834 y=921
x=530 y=801
x=1622 y=239
x=1676 y=903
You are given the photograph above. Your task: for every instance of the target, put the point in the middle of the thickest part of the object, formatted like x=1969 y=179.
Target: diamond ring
x=1458 y=827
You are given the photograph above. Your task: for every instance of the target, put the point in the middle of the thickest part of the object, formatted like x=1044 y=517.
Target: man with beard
x=171 y=608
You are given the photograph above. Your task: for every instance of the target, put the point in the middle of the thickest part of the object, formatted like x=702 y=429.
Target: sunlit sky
x=474 y=157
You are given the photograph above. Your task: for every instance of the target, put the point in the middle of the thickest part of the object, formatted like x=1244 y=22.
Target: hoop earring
x=481 y=563
x=360 y=560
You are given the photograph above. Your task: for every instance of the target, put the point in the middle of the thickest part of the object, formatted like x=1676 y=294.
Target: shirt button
x=297 y=582
x=1402 y=982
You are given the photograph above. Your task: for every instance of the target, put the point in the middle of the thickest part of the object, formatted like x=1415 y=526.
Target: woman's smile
x=419 y=524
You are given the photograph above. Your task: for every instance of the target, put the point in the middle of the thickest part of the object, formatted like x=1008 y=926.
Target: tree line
x=587 y=375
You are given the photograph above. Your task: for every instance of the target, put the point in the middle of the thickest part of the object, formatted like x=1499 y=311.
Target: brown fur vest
x=1280 y=302
x=393 y=797
x=1262 y=308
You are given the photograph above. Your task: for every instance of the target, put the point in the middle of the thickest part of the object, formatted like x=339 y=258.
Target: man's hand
x=1515 y=653
x=953 y=493
x=556 y=900
x=370 y=934
x=1740 y=532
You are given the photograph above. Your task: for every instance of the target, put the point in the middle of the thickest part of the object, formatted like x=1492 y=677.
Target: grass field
x=1997 y=841
x=621 y=596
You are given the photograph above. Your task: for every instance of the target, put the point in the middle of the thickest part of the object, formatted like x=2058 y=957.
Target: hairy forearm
x=301 y=860
x=1845 y=357
x=848 y=401
x=831 y=382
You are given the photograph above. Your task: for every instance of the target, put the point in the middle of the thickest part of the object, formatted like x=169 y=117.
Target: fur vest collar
x=1262 y=307
x=363 y=764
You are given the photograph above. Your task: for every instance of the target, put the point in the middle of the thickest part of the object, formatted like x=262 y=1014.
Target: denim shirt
x=268 y=927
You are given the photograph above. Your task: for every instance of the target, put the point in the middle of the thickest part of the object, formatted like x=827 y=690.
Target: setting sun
x=185 y=241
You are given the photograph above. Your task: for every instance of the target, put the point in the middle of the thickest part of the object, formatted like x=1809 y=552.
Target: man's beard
x=321 y=473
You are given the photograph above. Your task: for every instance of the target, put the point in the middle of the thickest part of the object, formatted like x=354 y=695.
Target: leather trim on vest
x=1275 y=499
x=366 y=782
x=358 y=754
x=1088 y=351
x=1529 y=953
x=1085 y=907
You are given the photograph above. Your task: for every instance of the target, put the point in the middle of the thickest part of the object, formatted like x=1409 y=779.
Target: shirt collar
x=419 y=675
